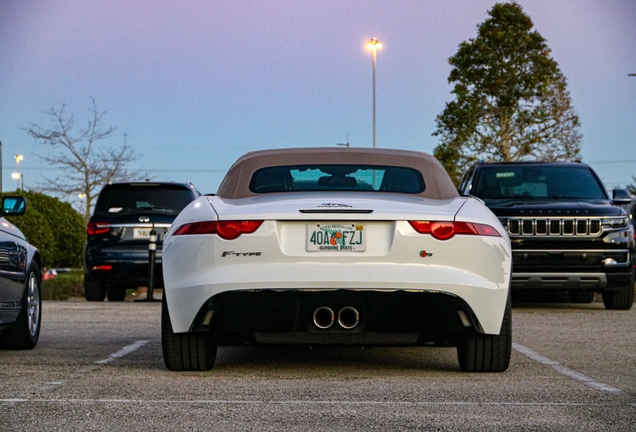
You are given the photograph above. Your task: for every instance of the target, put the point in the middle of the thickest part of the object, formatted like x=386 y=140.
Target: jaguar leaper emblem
x=334 y=205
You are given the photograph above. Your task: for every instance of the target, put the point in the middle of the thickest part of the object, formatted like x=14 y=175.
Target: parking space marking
x=310 y=402
x=564 y=370
x=54 y=385
x=122 y=352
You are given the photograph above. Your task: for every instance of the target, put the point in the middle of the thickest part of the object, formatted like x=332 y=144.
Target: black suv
x=566 y=233
x=118 y=233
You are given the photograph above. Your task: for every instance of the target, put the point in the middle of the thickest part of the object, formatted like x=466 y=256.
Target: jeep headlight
x=619 y=222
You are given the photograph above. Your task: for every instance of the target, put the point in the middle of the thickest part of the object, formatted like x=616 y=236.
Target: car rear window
x=303 y=178
x=143 y=198
x=537 y=181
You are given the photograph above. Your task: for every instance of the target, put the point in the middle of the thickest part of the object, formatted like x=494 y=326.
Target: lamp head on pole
x=374 y=45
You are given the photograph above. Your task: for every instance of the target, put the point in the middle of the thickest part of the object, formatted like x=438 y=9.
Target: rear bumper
x=385 y=318
x=432 y=289
x=130 y=272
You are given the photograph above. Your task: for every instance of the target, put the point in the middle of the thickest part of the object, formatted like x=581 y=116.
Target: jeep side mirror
x=621 y=196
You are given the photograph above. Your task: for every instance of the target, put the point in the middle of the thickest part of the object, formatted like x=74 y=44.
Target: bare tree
x=86 y=165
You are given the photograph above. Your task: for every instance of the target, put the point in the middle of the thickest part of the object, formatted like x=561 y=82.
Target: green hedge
x=54 y=227
x=64 y=286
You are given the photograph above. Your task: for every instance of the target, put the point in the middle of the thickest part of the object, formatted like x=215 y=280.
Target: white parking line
x=54 y=385
x=564 y=370
x=310 y=402
x=122 y=352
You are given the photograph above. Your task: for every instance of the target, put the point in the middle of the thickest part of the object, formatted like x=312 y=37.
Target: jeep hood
x=540 y=207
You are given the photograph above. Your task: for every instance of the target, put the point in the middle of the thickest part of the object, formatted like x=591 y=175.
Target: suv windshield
x=142 y=198
x=301 y=178
x=537 y=182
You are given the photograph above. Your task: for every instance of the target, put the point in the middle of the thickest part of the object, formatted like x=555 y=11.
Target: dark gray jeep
x=566 y=232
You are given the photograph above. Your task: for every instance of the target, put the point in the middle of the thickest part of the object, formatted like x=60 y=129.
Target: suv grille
x=590 y=227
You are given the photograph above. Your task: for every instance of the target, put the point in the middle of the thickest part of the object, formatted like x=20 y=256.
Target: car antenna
x=344 y=144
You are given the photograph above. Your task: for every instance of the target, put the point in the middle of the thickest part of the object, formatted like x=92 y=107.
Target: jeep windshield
x=537 y=182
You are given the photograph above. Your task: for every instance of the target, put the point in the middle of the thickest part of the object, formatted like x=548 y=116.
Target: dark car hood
x=554 y=208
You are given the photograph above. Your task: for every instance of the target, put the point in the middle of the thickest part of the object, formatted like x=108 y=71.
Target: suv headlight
x=620 y=222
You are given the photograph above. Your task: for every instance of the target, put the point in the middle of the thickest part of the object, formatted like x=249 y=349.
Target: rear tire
x=581 y=296
x=487 y=353
x=25 y=332
x=185 y=351
x=94 y=291
x=621 y=299
x=117 y=294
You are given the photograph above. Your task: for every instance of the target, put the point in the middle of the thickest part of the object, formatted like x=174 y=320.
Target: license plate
x=141 y=233
x=335 y=237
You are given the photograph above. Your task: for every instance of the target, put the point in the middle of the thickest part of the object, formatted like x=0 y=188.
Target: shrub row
x=54 y=227
x=64 y=286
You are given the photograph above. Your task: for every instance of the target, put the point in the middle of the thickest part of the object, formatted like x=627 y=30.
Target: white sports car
x=344 y=246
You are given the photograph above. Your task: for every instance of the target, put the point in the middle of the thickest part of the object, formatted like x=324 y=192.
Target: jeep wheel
x=487 y=353
x=581 y=296
x=94 y=291
x=117 y=294
x=621 y=299
x=185 y=351
x=24 y=333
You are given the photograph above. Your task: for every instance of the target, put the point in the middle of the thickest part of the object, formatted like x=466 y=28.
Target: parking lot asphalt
x=98 y=366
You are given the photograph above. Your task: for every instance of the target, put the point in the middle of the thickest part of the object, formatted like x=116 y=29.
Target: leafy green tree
x=54 y=227
x=511 y=99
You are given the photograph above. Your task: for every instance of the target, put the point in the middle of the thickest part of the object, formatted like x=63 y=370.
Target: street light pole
x=17 y=175
x=374 y=45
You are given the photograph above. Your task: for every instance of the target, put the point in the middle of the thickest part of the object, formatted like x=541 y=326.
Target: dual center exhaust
x=348 y=317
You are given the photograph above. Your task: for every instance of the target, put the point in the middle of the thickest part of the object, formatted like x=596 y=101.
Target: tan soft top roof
x=237 y=180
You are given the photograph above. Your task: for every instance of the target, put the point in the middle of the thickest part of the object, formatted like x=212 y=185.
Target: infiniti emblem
x=144 y=219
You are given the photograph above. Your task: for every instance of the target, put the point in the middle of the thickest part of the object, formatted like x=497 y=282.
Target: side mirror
x=13 y=205
x=621 y=196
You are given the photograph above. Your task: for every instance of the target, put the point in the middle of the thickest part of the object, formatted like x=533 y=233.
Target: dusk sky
x=196 y=84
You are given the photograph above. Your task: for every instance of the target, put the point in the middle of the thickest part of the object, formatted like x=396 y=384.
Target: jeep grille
x=590 y=227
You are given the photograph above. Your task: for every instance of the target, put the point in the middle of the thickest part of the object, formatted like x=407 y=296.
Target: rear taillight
x=446 y=230
x=95 y=228
x=227 y=230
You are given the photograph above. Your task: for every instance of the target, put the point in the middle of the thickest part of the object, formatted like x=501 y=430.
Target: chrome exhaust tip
x=348 y=317
x=324 y=317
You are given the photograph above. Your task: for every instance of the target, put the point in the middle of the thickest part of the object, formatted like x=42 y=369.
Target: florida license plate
x=141 y=233
x=335 y=237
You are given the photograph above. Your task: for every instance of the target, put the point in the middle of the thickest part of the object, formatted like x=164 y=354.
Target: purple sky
x=196 y=84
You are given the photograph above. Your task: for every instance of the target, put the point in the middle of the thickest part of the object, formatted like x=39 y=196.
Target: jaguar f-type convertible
x=337 y=246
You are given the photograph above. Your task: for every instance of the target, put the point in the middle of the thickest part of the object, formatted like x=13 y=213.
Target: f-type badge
x=425 y=254
x=240 y=254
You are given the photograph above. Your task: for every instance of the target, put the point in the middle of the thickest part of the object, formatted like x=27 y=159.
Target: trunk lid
x=336 y=206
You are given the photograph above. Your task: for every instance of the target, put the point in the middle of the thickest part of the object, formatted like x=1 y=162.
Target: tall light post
x=16 y=175
x=374 y=45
